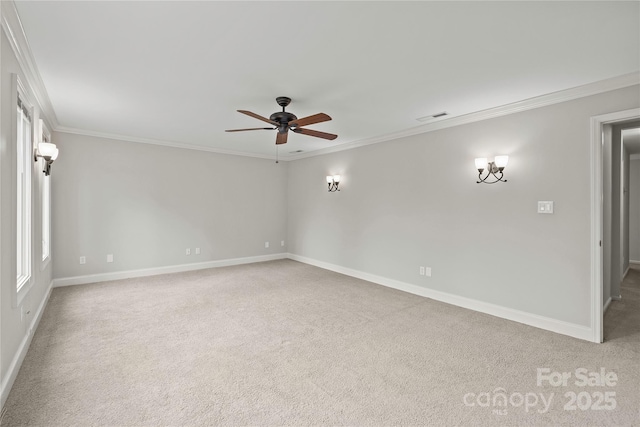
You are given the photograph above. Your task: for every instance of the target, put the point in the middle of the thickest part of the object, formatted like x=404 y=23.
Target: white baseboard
x=634 y=262
x=546 y=323
x=104 y=277
x=606 y=305
x=616 y=297
x=18 y=358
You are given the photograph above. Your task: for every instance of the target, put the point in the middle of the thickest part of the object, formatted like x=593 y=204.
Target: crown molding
x=17 y=38
x=590 y=89
x=173 y=144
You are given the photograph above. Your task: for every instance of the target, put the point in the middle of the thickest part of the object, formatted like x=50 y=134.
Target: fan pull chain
x=276 y=154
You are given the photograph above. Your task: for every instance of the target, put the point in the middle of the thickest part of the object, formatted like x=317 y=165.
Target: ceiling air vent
x=296 y=152
x=432 y=117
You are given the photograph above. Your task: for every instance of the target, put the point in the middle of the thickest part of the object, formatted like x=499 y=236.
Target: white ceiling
x=177 y=71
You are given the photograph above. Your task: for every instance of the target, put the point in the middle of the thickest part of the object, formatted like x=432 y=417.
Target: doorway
x=606 y=242
x=630 y=220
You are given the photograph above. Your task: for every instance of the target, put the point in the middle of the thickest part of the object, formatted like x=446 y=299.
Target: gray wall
x=146 y=204
x=414 y=201
x=15 y=328
x=634 y=210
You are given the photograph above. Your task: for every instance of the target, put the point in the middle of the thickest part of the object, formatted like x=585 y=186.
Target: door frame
x=597 y=188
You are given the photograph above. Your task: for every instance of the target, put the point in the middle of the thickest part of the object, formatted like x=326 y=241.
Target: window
x=46 y=217
x=45 y=136
x=23 y=195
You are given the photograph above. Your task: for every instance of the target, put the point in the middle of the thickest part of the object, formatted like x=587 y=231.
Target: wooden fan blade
x=310 y=120
x=282 y=138
x=242 y=130
x=315 y=133
x=256 y=116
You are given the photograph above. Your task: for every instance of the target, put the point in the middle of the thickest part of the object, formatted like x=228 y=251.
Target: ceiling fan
x=285 y=121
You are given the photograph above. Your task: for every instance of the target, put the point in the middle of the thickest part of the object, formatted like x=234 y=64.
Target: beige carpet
x=284 y=343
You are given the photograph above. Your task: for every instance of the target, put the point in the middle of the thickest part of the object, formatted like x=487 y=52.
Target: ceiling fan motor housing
x=282 y=118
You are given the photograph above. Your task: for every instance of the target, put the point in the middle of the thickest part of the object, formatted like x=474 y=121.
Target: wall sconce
x=49 y=152
x=493 y=168
x=333 y=182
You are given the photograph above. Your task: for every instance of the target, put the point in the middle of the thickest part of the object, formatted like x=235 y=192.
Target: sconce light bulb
x=46 y=149
x=501 y=161
x=329 y=179
x=336 y=178
x=481 y=163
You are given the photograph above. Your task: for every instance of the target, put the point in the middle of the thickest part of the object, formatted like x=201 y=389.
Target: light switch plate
x=545 y=207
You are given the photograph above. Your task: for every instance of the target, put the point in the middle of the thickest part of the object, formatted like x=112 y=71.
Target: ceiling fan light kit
x=284 y=121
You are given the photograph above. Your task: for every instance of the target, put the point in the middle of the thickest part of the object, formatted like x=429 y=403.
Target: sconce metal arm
x=498 y=178
x=491 y=170
x=333 y=186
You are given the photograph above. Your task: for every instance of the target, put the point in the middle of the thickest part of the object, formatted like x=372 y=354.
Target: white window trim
x=24 y=284
x=46 y=256
x=44 y=135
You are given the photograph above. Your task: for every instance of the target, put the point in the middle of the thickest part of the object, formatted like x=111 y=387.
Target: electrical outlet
x=83 y=260
x=427 y=271
x=109 y=257
x=266 y=244
x=281 y=242
x=188 y=251
x=421 y=271
x=197 y=251
x=545 y=207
